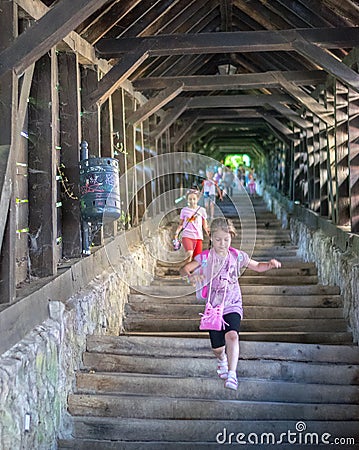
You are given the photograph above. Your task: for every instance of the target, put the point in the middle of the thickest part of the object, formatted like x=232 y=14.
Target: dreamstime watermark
x=300 y=436
x=154 y=172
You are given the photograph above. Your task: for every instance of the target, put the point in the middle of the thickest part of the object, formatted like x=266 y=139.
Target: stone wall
x=37 y=374
x=334 y=252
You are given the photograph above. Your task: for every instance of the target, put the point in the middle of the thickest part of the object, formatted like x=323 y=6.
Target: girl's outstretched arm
x=187 y=269
x=261 y=266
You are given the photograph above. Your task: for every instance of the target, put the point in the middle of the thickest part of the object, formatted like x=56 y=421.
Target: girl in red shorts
x=193 y=219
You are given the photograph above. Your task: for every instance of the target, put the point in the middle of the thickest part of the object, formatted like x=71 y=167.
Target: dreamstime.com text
x=299 y=436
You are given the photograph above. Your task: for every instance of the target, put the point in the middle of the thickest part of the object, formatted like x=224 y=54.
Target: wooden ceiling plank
x=170 y=117
x=181 y=17
x=33 y=43
x=236 y=101
x=154 y=104
x=328 y=62
x=160 y=15
x=322 y=11
x=108 y=20
x=238 y=41
x=237 y=81
x=261 y=14
x=112 y=80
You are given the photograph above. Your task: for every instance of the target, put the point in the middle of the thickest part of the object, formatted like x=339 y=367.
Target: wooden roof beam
x=328 y=62
x=238 y=41
x=117 y=75
x=154 y=104
x=170 y=117
x=278 y=125
x=291 y=115
x=237 y=81
x=308 y=101
x=236 y=101
x=33 y=43
x=226 y=7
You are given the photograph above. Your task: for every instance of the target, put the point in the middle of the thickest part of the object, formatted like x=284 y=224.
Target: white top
x=192 y=222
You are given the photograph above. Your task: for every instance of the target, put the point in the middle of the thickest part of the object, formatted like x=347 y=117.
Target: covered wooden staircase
x=155 y=386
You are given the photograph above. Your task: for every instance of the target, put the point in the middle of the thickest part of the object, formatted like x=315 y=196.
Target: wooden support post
x=342 y=155
x=323 y=170
x=42 y=172
x=70 y=137
x=316 y=168
x=119 y=131
x=8 y=116
x=90 y=122
x=90 y=125
x=131 y=160
x=300 y=159
x=331 y=172
x=107 y=150
x=287 y=155
x=310 y=165
x=354 y=159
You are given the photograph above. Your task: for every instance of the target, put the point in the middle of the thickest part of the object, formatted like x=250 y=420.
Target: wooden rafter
x=237 y=81
x=226 y=7
x=170 y=117
x=155 y=103
x=119 y=73
x=33 y=43
x=307 y=100
x=239 y=41
x=7 y=152
x=236 y=101
x=328 y=62
x=291 y=115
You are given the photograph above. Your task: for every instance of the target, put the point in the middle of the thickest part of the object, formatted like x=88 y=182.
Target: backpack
x=202 y=290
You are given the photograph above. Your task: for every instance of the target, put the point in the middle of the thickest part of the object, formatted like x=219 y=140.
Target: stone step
x=262 y=369
x=296 y=301
x=282 y=272
x=293 y=280
x=174 y=291
x=212 y=388
x=138 y=406
x=196 y=434
x=344 y=338
x=86 y=444
x=285 y=254
x=200 y=347
x=165 y=323
x=251 y=312
x=299 y=265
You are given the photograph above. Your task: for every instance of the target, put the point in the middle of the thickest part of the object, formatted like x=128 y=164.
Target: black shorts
x=217 y=337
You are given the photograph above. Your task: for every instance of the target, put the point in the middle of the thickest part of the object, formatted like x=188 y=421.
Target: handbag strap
x=210 y=282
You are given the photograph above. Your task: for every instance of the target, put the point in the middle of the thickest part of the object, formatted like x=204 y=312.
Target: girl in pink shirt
x=193 y=219
x=220 y=270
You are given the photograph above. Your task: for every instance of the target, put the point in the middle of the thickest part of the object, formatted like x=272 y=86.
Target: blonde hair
x=221 y=223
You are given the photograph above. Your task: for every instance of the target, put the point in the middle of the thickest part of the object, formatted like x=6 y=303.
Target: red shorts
x=193 y=245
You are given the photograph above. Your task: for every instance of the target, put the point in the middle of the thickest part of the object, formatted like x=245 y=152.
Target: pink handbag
x=212 y=317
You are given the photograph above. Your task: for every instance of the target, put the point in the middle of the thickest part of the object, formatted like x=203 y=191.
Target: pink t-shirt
x=192 y=222
x=225 y=278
